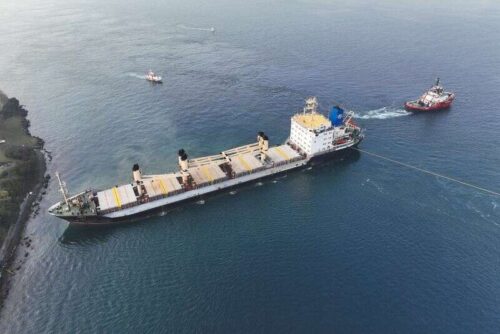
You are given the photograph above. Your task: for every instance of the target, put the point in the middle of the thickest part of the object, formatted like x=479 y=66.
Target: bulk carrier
x=312 y=136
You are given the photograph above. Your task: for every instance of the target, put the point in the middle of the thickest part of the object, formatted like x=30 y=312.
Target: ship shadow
x=85 y=236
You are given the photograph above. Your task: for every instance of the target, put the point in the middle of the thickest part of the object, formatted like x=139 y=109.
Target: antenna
x=311 y=105
x=62 y=188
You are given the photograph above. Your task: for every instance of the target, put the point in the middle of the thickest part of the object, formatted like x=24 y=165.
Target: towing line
x=428 y=172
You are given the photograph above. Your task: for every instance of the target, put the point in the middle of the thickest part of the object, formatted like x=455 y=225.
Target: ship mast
x=311 y=105
x=63 y=189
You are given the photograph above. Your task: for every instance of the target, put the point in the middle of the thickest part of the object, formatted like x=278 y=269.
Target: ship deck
x=202 y=172
x=204 y=175
x=312 y=120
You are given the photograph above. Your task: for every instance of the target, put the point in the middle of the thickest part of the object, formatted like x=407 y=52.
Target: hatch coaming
x=239 y=163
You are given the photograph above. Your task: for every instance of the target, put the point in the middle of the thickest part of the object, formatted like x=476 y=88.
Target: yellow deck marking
x=117 y=197
x=312 y=121
x=244 y=163
x=207 y=173
x=164 y=187
x=283 y=154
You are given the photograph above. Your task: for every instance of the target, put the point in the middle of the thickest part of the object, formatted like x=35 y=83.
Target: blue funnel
x=337 y=116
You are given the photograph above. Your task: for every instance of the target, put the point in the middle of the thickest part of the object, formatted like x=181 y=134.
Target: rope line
x=428 y=172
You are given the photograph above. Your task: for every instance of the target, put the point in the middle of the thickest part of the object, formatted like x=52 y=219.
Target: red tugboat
x=434 y=99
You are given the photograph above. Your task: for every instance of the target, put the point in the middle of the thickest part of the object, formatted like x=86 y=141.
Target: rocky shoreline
x=22 y=184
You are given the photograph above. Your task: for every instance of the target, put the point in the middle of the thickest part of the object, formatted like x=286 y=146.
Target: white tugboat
x=152 y=77
x=312 y=136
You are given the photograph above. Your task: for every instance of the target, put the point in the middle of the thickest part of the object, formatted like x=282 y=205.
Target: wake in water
x=135 y=75
x=182 y=26
x=382 y=113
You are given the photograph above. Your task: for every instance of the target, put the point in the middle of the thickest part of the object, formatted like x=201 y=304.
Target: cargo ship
x=312 y=136
x=434 y=99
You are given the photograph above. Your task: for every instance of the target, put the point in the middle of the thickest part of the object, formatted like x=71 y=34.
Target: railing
x=143 y=200
x=193 y=187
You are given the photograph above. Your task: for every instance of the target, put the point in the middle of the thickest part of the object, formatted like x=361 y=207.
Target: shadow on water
x=84 y=236
x=87 y=235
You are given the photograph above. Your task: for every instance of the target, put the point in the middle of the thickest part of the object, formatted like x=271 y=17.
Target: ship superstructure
x=312 y=135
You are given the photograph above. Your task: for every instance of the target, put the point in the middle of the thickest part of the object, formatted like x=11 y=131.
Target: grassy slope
x=12 y=130
x=16 y=173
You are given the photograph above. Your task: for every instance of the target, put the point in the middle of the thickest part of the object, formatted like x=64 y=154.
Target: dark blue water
x=357 y=245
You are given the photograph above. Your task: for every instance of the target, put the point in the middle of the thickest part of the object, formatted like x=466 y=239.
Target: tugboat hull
x=432 y=100
x=413 y=106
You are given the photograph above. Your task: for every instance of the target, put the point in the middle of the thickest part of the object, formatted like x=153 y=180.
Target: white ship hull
x=128 y=215
x=195 y=193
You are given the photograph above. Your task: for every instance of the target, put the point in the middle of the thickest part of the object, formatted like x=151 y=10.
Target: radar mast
x=311 y=105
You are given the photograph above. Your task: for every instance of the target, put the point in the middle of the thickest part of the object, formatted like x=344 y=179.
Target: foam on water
x=136 y=75
x=382 y=113
x=481 y=212
x=182 y=26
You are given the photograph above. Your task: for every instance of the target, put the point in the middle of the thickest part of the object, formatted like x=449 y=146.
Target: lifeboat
x=152 y=77
x=434 y=99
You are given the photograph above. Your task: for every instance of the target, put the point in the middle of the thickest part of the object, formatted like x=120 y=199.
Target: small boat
x=434 y=99
x=151 y=76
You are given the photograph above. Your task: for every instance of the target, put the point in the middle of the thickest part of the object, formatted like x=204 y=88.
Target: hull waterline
x=414 y=106
x=103 y=221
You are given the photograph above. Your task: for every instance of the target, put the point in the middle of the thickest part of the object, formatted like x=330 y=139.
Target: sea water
x=352 y=245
